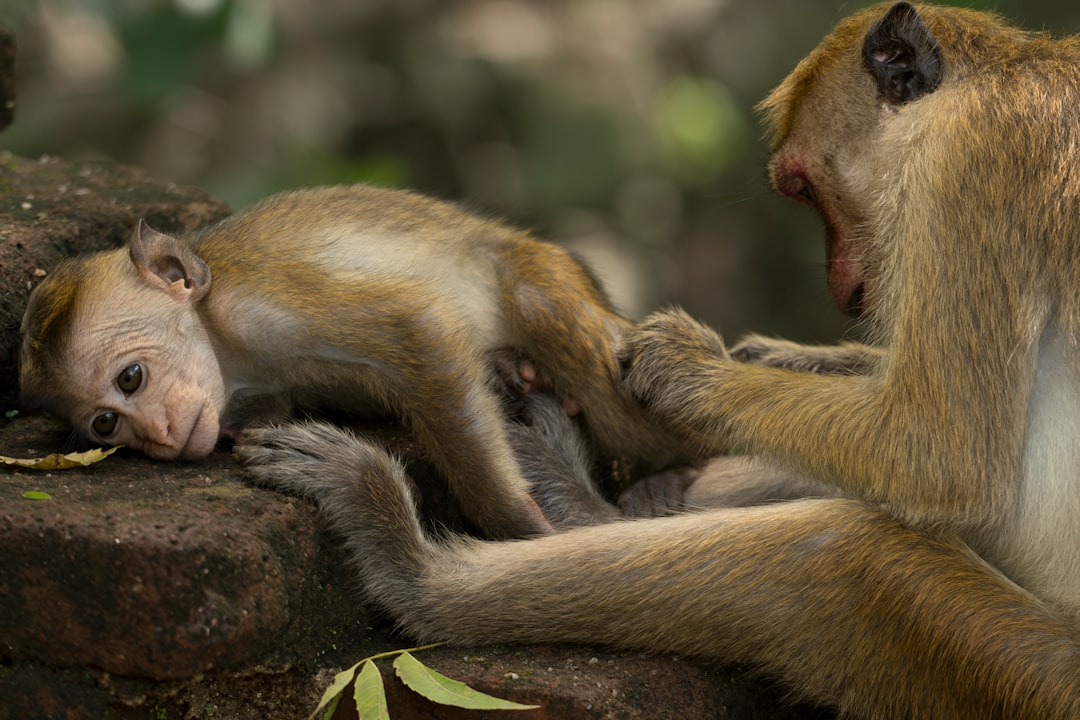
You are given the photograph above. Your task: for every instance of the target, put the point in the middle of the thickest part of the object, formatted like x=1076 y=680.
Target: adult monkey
x=939 y=145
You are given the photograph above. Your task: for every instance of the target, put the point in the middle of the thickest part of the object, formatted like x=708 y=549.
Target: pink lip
x=842 y=273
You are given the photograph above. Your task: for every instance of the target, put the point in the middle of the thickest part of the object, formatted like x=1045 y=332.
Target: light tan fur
x=349 y=297
x=941 y=149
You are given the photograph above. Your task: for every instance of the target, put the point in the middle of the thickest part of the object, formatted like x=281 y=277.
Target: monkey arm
x=910 y=441
x=785 y=587
x=397 y=344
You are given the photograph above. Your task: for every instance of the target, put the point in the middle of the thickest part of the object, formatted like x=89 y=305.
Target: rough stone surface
x=162 y=570
x=51 y=209
x=150 y=590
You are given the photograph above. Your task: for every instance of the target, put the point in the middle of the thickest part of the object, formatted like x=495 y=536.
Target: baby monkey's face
x=124 y=362
x=161 y=395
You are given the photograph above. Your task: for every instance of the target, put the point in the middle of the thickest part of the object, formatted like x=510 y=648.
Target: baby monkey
x=351 y=298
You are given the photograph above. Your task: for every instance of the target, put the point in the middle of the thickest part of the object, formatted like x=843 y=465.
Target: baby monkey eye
x=105 y=423
x=129 y=380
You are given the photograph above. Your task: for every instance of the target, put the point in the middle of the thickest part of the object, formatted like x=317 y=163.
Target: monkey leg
x=549 y=448
x=841 y=601
x=427 y=370
x=560 y=319
x=553 y=458
x=458 y=420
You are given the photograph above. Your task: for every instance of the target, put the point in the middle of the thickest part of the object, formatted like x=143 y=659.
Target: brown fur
x=351 y=297
x=945 y=586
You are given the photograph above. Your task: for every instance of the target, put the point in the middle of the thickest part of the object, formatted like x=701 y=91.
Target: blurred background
x=623 y=129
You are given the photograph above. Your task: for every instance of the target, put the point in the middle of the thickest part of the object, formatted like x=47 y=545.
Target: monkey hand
x=363 y=494
x=846 y=359
x=315 y=460
x=673 y=364
x=770 y=352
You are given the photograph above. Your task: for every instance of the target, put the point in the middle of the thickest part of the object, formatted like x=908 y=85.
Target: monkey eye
x=105 y=424
x=129 y=380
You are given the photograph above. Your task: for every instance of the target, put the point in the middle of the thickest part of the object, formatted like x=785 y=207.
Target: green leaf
x=333 y=693
x=36 y=495
x=370 y=695
x=446 y=691
x=331 y=709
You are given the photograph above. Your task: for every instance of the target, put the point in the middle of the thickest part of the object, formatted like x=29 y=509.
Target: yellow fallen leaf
x=57 y=461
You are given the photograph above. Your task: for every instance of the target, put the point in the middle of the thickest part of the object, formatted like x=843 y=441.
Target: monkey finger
x=301 y=458
x=753 y=349
x=515 y=377
x=667 y=350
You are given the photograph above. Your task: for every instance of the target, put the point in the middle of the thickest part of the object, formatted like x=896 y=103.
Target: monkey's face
x=812 y=179
x=154 y=389
x=165 y=404
x=826 y=120
x=823 y=125
x=123 y=361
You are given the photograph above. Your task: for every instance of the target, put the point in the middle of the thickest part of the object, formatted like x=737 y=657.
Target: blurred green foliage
x=623 y=128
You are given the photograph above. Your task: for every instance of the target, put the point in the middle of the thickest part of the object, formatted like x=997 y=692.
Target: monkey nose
x=792 y=181
x=156 y=431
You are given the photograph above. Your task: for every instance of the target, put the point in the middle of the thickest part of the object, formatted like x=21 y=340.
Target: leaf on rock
x=332 y=696
x=447 y=691
x=370 y=695
x=61 y=462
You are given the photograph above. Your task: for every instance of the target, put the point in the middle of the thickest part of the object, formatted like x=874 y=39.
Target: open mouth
x=855 y=307
x=843 y=274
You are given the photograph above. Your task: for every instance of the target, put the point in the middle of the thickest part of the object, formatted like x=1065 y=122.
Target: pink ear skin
x=164 y=262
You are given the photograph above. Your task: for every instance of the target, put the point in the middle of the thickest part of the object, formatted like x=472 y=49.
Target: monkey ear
x=902 y=55
x=169 y=264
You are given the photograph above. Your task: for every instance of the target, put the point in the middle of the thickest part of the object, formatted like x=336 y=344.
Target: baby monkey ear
x=169 y=264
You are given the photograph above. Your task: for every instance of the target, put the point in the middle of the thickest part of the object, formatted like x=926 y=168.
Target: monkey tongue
x=844 y=279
